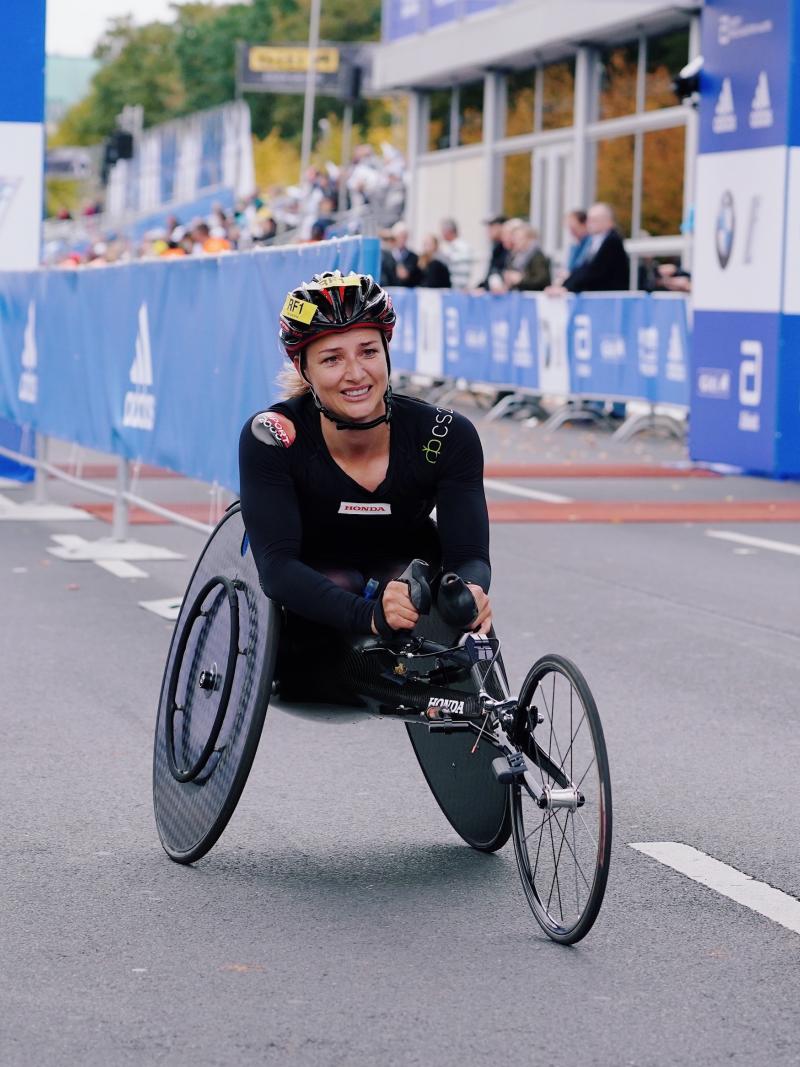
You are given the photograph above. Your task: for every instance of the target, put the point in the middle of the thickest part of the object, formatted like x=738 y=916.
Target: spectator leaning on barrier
x=581 y=239
x=529 y=269
x=405 y=261
x=606 y=267
x=434 y=273
x=456 y=253
x=498 y=259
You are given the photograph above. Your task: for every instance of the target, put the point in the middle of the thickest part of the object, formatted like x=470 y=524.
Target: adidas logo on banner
x=28 y=391
x=761 y=117
x=725 y=112
x=140 y=406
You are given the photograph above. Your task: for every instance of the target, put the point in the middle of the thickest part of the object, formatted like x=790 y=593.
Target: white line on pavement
x=758 y=896
x=30 y=512
x=120 y=568
x=532 y=494
x=72 y=547
x=166 y=609
x=755 y=542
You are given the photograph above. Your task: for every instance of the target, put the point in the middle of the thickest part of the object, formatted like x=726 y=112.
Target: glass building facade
x=560 y=128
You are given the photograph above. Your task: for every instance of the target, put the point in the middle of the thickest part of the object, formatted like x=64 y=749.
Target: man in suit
x=606 y=267
x=405 y=261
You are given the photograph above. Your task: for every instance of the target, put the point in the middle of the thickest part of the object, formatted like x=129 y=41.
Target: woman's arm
x=272 y=519
x=461 y=512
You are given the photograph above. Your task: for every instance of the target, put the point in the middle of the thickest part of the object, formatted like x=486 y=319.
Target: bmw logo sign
x=725 y=229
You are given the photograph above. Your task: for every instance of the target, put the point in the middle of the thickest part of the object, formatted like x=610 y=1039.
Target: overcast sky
x=74 y=26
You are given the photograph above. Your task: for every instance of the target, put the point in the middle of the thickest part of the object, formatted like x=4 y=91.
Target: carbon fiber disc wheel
x=214 y=695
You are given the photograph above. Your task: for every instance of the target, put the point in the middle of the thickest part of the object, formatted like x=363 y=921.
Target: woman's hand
x=483 y=621
x=398 y=611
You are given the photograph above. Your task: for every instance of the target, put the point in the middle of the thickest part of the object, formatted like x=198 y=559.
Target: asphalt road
x=340 y=921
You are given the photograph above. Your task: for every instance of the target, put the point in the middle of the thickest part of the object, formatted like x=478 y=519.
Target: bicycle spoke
x=588 y=831
x=551 y=718
x=556 y=861
x=592 y=762
x=572 y=742
x=572 y=736
x=555 y=882
x=545 y=819
x=538 y=848
x=574 y=850
x=577 y=863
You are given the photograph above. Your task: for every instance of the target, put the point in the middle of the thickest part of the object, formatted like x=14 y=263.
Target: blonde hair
x=290 y=383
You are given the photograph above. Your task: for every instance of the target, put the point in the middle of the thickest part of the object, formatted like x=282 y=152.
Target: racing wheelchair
x=532 y=767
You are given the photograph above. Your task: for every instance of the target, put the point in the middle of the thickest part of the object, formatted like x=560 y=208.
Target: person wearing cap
x=338 y=481
x=498 y=259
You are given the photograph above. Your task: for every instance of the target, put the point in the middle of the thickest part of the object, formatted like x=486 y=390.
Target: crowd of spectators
x=369 y=196
x=330 y=202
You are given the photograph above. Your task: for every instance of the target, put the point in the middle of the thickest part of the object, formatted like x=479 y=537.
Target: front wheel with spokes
x=562 y=842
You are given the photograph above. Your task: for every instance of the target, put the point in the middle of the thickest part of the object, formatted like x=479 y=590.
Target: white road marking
x=531 y=494
x=11 y=512
x=755 y=542
x=120 y=568
x=758 y=896
x=166 y=609
x=76 y=548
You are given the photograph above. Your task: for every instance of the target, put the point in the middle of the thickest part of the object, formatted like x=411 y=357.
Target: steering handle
x=455 y=602
x=416 y=578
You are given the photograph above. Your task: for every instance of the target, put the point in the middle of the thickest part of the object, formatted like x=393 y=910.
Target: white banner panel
x=791 y=271
x=430 y=333
x=21 y=178
x=739 y=225
x=553 y=315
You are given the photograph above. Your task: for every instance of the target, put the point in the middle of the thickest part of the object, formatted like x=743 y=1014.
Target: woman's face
x=348 y=373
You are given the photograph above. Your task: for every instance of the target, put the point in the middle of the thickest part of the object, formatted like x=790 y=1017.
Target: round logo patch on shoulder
x=272 y=428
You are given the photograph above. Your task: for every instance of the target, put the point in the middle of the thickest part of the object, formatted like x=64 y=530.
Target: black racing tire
x=562 y=853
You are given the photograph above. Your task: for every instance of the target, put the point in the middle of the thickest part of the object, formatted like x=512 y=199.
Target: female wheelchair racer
x=338 y=484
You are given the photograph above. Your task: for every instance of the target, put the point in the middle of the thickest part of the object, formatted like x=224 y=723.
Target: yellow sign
x=335 y=280
x=299 y=310
x=264 y=60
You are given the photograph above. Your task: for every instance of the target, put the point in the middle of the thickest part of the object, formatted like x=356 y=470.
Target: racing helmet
x=334 y=303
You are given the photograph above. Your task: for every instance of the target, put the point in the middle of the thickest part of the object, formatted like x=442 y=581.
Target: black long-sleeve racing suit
x=306 y=518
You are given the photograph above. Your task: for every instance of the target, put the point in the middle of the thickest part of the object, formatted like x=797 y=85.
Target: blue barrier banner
x=158 y=361
x=625 y=346
x=404 y=341
x=162 y=361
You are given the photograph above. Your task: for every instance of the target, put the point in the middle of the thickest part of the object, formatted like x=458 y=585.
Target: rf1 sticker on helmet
x=299 y=310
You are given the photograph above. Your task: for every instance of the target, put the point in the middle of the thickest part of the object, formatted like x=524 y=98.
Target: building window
x=517 y=185
x=439 y=119
x=662 y=181
x=666 y=55
x=614 y=178
x=617 y=80
x=520 y=102
x=470 y=113
x=558 y=95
